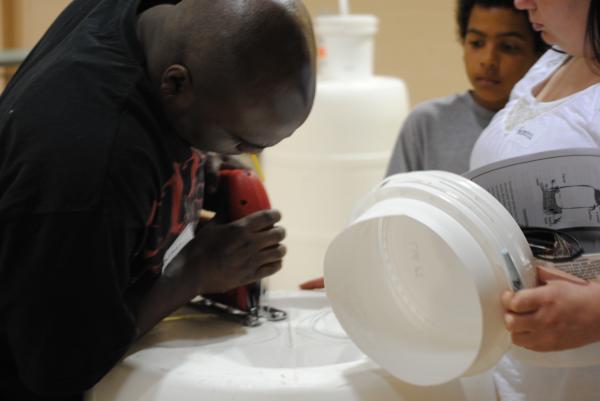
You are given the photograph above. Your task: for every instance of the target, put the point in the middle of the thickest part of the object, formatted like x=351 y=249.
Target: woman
x=555 y=106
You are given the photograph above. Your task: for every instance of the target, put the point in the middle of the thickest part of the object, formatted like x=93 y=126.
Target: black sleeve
x=65 y=276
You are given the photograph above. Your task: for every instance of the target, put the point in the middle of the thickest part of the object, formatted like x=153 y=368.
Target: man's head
x=499 y=48
x=233 y=75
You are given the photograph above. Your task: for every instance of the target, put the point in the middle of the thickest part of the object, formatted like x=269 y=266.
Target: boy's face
x=499 y=49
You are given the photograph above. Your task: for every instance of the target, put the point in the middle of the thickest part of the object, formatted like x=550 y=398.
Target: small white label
x=182 y=240
x=523 y=137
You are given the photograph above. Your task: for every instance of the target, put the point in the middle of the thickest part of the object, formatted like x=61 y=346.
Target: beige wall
x=2 y=23
x=417 y=42
x=417 y=39
x=32 y=18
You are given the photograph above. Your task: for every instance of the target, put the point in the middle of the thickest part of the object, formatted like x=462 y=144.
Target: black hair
x=593 y=29
x=465 y=7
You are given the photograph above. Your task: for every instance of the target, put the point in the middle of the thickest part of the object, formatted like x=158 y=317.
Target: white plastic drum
x=307 y=357
x=416 y=278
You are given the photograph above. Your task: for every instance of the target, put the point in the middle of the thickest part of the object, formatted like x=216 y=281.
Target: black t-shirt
x=94 y=187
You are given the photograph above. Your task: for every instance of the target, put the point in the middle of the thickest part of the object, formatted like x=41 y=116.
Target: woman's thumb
x=547 y=273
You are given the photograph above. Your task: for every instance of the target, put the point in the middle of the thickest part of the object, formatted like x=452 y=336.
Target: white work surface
x=306 y=357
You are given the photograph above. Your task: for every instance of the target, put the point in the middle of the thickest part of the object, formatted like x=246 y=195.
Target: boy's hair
x=463 y=13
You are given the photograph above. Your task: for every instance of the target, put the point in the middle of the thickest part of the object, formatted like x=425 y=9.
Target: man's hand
x=562 y=313
x=225 y=256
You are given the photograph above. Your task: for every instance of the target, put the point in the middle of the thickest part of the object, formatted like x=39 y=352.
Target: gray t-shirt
x=439 y=135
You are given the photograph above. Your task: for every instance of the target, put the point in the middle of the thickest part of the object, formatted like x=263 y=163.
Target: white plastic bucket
x=416 y=277
x=347 y=43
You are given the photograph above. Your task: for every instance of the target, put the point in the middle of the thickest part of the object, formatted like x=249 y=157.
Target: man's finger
x=268 y=269
x=271 y=255
x=263 y=220
x=270 y=238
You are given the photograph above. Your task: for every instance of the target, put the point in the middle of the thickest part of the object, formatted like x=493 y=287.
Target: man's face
x=241 y=124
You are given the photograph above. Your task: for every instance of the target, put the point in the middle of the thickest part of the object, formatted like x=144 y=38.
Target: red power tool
x=243 y=193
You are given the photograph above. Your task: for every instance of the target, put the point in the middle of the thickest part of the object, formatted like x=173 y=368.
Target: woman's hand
x=314 y=284
x=562 y=313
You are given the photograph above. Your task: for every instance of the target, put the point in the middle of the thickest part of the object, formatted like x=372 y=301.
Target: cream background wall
x=1 y=22
x=31 y=18
x=417 y=40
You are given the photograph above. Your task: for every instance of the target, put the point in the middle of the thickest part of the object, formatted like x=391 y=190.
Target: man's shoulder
x=85 y=60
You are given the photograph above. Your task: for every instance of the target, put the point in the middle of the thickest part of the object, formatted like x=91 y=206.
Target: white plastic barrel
x=195 y=356
x=416 y=278
x=342 y=150
x=347 y=46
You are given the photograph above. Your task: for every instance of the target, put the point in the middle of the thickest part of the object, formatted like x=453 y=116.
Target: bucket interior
x=405 y=295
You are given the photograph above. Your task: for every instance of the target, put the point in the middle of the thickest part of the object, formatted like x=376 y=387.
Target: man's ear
x=176 y=88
